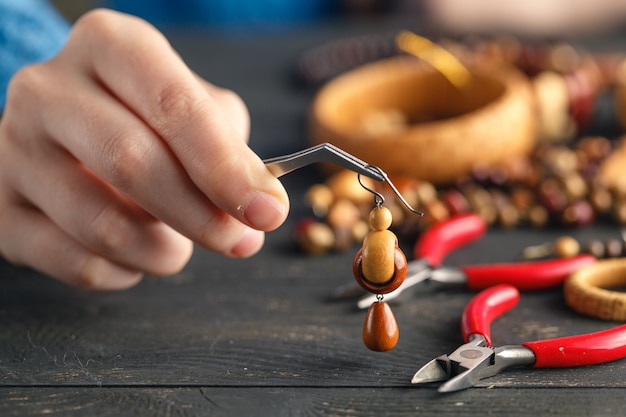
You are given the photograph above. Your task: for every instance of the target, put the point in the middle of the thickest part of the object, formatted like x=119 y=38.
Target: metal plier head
x=470 y=363
x=327 y=152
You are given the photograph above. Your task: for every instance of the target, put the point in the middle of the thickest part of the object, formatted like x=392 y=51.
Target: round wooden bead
x=614 y=248
x=566 y=247
x=380 y=218
x=596 y=248
x=400 y=268
x=380 y=330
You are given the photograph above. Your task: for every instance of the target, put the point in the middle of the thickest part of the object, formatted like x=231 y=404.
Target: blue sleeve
x=30 y=31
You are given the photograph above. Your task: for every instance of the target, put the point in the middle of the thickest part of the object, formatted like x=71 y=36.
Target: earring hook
x=378 y=197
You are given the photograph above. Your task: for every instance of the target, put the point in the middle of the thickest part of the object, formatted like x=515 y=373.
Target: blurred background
x=538 y=17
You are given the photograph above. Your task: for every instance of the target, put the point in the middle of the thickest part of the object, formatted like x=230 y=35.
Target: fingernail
x=249 y=244
x=265 y=212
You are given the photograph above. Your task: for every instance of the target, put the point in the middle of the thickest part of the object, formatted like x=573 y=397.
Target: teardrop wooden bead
x=380 y=330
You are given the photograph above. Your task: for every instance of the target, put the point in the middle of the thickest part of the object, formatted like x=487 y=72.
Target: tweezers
x=324 y=152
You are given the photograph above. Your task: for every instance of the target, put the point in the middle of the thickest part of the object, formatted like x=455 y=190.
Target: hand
x=115 y=157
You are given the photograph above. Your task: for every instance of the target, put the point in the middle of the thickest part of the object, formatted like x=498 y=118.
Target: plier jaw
x=470 y=363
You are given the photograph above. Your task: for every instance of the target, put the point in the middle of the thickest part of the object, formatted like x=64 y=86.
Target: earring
x=380 y=267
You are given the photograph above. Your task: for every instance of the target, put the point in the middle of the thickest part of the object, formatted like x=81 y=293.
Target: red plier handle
x=484 y=308
x=525 y=276
x=444 y=237
x=586 y=349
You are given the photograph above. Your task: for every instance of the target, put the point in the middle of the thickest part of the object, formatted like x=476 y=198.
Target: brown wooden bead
x=456 y=202
x=578 y=213
x=601 y=199
x=343 y=214
x=343 y=184
x=343 y=239
x=522 y=198
x=359 y=230
x=552 y=196
x=380 y=329
x=538 y=216
x=397 y=279
x=566 y=247
x=435 y=211
x=314 y=237
x=319 y=197
x=574 y=186
x=378 y=256
x=426 y=191
x=380 y=218
x=614 y=248
x=596 y=248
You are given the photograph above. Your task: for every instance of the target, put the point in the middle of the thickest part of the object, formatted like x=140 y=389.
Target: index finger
x=137 y=64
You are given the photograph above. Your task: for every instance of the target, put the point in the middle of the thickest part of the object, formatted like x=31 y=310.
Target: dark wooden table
x=259 y=337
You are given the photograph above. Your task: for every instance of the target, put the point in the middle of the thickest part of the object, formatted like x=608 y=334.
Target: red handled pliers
x=434 y=244
x=478 y=359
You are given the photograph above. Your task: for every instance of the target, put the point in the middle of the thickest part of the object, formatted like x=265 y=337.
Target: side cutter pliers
x=478 y=359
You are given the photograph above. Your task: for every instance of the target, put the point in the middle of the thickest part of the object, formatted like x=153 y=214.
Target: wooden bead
x=566 y=247
x=397 y=279
x=435 y=211
x=343 y=214
x=380 y=218
x=578 y=213
x=595 y=248
x=601 y=199
x=455 y=202
x=380 y=330
x=319 y=197
x=614 y=248
x=343 y=184
x=314 y=237
x=360 y=230
x=378 y=256
x=538 y=216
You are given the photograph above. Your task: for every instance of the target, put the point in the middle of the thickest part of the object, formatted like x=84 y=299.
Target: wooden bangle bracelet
x=587 y=290
x=491 y=120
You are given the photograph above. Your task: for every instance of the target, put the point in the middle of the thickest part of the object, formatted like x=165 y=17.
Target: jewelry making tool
x=324 y=152
x=478 y=359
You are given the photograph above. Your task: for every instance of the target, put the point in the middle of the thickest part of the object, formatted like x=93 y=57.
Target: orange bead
x=380 y=330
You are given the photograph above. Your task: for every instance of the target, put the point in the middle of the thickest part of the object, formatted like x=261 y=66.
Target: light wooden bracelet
x=491 y=120
x=587 y=290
